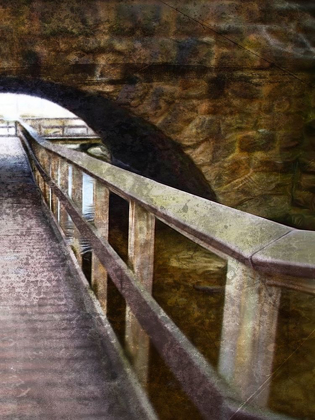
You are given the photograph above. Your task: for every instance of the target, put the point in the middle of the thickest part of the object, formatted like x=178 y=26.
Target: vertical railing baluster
x=50 y=198
x=101 y=219
x=37 y=175
x=54 y=165
x=140 y=259
x=41 y=183
x=248 y=332
x=76 y=195
x=45 y=165
x=63 y=183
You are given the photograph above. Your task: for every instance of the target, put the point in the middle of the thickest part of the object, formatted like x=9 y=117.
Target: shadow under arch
x=134 y=143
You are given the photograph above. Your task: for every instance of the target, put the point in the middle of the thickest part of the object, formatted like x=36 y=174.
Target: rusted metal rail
x=255 y=249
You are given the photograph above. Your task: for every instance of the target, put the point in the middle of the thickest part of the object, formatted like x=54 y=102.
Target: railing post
x=76 y=195
x=45 y=164
x=41 y=183
x=64 y=184
x=101 y=219
x=248 y=332
x=141 y=259
x=54 y=164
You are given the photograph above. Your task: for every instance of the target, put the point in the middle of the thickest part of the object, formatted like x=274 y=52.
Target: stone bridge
x=69 y=349
x=221 y=90
x=214 y=99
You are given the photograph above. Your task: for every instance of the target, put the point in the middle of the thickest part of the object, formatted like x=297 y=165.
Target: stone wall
x=242 y=114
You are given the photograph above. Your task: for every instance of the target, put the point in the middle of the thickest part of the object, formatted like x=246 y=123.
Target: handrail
x=210 y=224
x=259 y=243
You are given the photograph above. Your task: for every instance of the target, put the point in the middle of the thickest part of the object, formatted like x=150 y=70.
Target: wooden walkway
x=51 y=365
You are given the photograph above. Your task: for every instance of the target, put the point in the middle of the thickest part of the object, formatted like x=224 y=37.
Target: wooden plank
x=45 y=164
x=64 y=185
x=248 y=332
x=54 y=166
x=76 y=195
x=140 y=260
x=101 y=220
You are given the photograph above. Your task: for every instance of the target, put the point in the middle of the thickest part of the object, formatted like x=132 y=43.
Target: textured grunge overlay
x=158 y=248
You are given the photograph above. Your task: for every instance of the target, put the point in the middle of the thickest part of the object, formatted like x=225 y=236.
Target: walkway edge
x=106 y=334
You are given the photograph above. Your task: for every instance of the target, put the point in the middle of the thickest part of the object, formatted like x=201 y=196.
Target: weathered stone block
x=232 y=124
x=289 y=139
x=217 y=87
x=248 y=106
x=289 y=122
x=132 y=95
x=125 y=22
x=309 y=143
x=201 y=153
x=166 y=50
x=193 y=89
x=287 y=88
x=255 y=185
x=274 y=207
x=110 y=72
x=282 y=105
x=307 y=163
x=255 y=141
x=179 y=116
x=299 y=219
x=234 y=58
x=304 y=199
x=223 y=148
x=185 y=22
x=307 y=182
x=263 y=162
x=199 y=129
x=157 y=103
x=191 y=51
x=233 y=168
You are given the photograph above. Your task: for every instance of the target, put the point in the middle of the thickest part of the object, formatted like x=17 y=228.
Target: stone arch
x=134 y=143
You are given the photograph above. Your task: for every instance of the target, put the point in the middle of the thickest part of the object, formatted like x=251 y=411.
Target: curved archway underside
x=135 y=144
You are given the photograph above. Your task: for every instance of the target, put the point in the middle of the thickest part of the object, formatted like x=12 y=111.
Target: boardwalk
x=51 y=364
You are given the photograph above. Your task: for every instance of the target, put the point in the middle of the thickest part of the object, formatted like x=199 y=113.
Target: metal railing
x=258 y=252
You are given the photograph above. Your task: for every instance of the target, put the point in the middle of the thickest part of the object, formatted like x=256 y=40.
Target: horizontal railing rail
x=263 y=245
x=254 y=248
x=7 y=128
x=52 y=128
x=60 y=127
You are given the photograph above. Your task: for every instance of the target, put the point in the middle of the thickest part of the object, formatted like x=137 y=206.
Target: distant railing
x=51 y=127
x=258 y=252
x=60 y=127
x=7 y=128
